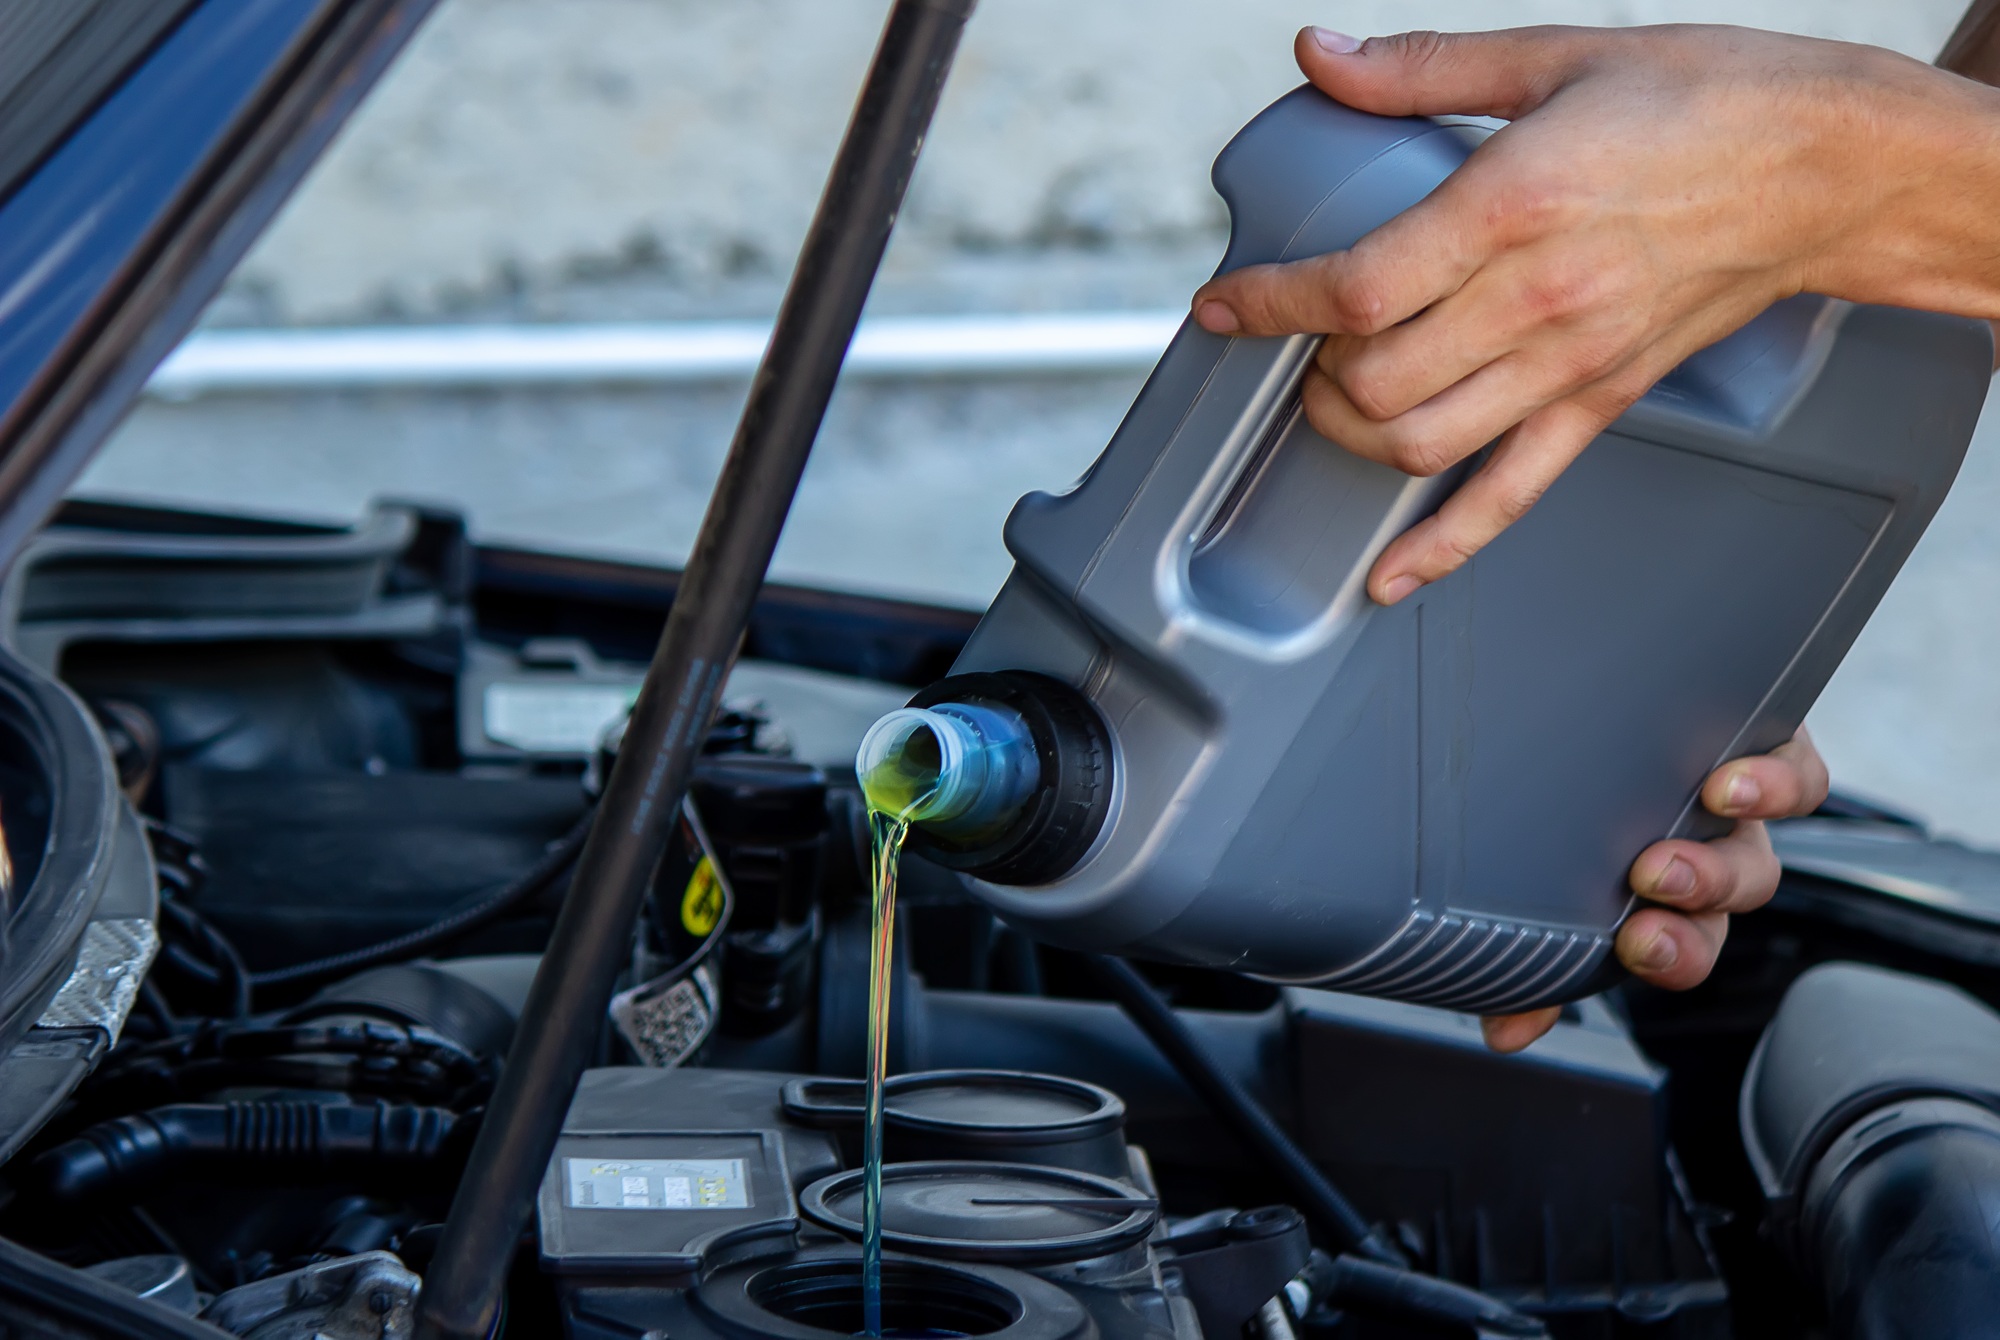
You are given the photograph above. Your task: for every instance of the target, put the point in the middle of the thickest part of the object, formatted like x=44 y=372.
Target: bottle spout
x=1006 y=776
x=959 y=770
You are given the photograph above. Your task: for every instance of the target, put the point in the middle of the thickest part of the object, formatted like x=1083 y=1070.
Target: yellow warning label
x=701 y=902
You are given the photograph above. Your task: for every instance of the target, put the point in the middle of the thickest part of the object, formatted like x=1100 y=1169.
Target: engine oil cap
x=1008 y=1116
x=999 y=1106
x=1005 y=1213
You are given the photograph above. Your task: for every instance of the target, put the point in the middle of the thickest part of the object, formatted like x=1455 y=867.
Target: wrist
x=1911 y=191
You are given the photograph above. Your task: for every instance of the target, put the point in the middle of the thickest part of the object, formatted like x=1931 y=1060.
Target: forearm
x=1917 y=157
x=1973 y=50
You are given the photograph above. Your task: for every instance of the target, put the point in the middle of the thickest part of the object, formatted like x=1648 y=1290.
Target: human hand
x=1655 y=190
x=1692 y=887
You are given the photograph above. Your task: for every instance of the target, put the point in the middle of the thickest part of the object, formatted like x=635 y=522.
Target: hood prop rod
x=559 y=1026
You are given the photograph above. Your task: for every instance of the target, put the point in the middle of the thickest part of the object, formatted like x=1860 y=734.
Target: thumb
x=1506 y=74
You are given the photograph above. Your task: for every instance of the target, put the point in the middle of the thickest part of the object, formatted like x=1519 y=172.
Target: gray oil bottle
x=1183 y=732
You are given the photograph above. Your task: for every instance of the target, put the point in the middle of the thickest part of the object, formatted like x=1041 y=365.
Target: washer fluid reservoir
x=1183 y=732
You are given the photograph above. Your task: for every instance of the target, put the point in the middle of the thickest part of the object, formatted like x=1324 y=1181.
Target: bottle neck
x=959 y=770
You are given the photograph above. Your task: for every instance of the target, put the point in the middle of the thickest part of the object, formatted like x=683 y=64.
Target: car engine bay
x=322 y=846
x=289 y=808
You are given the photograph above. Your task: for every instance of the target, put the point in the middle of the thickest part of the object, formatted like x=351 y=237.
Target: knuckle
x=1782 y=788
x=1786 y=791
x=1513 y=500
x=1417 y=453
x=1544 y=300
x=1418 y=47
x=1359 y=305
x=1416 y=449
x=1525 y=206
x=1251 y=300
x=1521 y=197
x=1450 y=547
x=1563 y=294
x=1745 y=868
x=1589 y=359
x=1716 y=885
x=1367 y=388
x=1298 y=294
x=1758 y=881
x=1259 y=293
x=1813 y=794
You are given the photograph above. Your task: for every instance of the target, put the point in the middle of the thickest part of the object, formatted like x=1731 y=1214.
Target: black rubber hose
x=1348 y=1279
x=1318 y=1199
x=520 y=890
x=389 y=1055
x=265 y=1141
x=1898 y=1220
x=222 y=966
x=565 y=1010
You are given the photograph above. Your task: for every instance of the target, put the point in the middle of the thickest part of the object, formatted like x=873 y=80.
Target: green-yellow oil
x=886 y=833
x=894 y=791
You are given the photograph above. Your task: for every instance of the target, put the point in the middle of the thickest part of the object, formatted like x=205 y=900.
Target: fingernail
x=1397 y=587
x=1217 y=318
x=1335 y=44
x=1658 y=954
x=1676 y=881
x=1741 y=793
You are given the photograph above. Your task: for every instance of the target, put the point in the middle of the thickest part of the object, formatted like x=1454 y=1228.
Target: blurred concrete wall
x=524 y=147
x=612 y=159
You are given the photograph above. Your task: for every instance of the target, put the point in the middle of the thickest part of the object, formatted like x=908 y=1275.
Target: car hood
x=144 y=144
x=143 y=148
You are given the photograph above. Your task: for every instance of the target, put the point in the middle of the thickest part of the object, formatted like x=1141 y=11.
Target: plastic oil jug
x=1183 y=731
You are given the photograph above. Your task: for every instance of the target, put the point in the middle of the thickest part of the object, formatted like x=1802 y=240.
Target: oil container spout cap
x=1005 y=776
x=956 y=769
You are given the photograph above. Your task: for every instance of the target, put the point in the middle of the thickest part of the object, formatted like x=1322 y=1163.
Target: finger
x=1402 y=267
x=1405 y=265
x=1522 y=467
x=1512 y=1032
x=1423 y=359
x=1790 y=780
x=1452 y=425
x=1737 y=872
x=1427 y=251
x=1529 y=458
x=1505 y=74
x=1321 y=295
x=1671 y=949
x=1565 y=315
x=1388 y=276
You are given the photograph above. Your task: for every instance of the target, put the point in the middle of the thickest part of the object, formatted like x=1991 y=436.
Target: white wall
x=523 y=144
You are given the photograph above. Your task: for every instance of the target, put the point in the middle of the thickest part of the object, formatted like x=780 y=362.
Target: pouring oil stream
x=963 y=772
x=896 y=784
x=886 y=832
